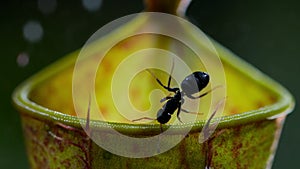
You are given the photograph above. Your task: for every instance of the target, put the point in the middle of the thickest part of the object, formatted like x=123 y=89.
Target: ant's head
x=202 y=79
x=194 y=83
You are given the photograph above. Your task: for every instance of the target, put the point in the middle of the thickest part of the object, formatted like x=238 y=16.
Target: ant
x=191 y=84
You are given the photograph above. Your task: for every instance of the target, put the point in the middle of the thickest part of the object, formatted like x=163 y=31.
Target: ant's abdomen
x=163 y=117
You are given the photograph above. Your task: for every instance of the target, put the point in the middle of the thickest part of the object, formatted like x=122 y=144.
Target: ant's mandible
x=192 y=84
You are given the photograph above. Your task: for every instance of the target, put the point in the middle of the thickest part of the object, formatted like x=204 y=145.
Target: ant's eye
x=204 y=78
x=205 y=75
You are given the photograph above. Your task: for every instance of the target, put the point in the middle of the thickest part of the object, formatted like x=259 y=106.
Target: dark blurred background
x=265 y=33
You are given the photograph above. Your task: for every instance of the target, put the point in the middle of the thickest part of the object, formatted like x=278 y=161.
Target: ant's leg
x=184 y=110
x=187 y=111
x=165 y=98
x=158 y=81
x=158 y=142
x=178 y=112
x=161 y=84
x=143 y=118
x=204 y=94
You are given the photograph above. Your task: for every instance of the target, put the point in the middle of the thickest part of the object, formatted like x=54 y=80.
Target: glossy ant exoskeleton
x=192 y=84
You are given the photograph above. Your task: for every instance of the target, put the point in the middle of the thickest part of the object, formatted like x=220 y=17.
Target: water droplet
x=33 y=31
x=47 y=6
x=92 y=5
x=22 y=59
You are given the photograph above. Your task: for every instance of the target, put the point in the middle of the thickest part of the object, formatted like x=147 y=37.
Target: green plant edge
x=282 y=107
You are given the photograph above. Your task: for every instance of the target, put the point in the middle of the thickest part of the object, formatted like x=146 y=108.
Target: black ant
x=192 y=84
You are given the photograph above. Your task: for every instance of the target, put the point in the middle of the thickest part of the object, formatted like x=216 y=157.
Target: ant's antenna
x=152 y=74
x=172 y=68
x=169 y=80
